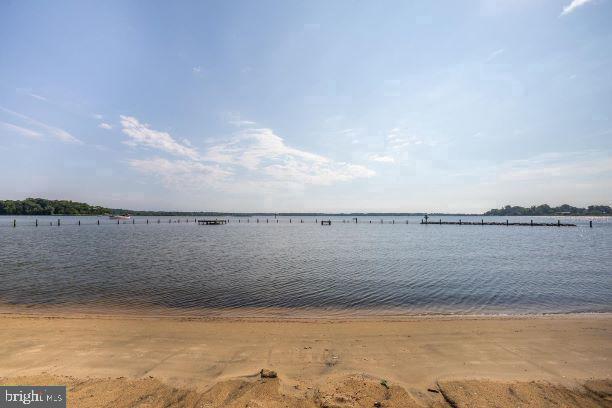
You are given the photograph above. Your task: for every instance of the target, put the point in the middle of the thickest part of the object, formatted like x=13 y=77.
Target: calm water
x=347 y=268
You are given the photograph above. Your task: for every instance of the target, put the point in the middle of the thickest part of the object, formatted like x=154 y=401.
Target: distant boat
x=120 y=217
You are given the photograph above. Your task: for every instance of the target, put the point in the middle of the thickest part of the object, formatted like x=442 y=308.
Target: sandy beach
x=126 y=361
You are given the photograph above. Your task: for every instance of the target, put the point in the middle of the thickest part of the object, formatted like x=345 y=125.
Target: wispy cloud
x=573 y=6
x=181 y=173
x=555 y=165
x=262 y=151
x=105 y=126
x=28 y=92
x=140 y=134
x=250 y=157
x=494 y=55
x=399 y=139
x=44 y=128
x=381 y=158
x=29 y=133
x=39 y=97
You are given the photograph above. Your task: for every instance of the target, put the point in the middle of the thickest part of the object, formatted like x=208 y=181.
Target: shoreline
x=275 y=314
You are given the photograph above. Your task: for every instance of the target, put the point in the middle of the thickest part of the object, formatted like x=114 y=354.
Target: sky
x=391 y=106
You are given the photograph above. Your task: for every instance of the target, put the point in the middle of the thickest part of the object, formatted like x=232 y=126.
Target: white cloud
x=196 y=70
x=97 y=116
x=140 y=134
x=397 y=139
x=250 y=157
x=181 y=173
x=381 y=158
x=35 y=96
x=494 y=54
x=56 y=132
x=29 y=133
x=105 y=126
x=265 y=153
x=573 y=6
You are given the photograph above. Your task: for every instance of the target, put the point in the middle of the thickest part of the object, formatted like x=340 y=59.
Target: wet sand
x=463 y=361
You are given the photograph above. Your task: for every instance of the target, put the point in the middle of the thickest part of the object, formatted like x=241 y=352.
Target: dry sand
x=178 y=362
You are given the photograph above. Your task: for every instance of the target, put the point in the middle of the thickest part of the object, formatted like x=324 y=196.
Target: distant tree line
x=41 y=206
x=545 y=209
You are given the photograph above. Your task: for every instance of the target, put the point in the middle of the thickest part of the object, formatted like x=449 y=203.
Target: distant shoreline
x=42 y=206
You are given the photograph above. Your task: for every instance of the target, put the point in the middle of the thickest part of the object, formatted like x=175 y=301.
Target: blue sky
x=307 y=106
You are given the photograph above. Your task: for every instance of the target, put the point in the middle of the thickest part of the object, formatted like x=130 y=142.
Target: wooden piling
x=58 y=222
x=98 y=222
x=481 y=222
x=558 y=223
x=506 y=223
x=147 y=221
x=37 y=222
x=591 y=224
x=79 y=223
x=117 y=222
x=459 y=222
x=14 y=223
x=531 y=223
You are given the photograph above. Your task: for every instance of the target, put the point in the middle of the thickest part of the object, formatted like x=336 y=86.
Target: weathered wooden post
x=506 y=223
x=58 y=222
x=531 y=222
x=158 y=220
x=258 y=220
x=591 y=224
x=169 y=220
x=370 y=221
x=79 y=223
x=277 y=220
x=440 y=221
x=289 y=220
x=393 y=222
x=558 y=223
x=133 y=221
x=481 y=222
x=14 y=223
x=98 y=222
x=301 y=221
x=459 y=222
x=37 y=222
x=117 y=222
x=267 y=221
x=147 y=221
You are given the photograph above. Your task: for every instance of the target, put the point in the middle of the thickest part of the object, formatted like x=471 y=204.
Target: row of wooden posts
x=328 y=222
